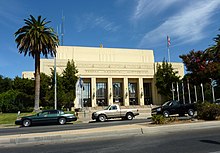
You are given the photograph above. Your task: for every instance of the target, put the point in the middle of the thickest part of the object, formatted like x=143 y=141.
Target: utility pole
x=55 y=83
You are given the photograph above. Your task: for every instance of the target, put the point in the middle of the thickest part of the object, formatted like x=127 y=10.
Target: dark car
x=217 y=101
x=174 y=107
x=46 y=117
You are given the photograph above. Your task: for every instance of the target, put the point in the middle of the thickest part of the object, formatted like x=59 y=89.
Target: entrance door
x=87 y=94
x=133 y=96
x=101 y=94
x=117 y=93
x=147 y=94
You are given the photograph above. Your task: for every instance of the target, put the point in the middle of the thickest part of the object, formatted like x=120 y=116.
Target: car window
x=176 y=103
x=53 y=112
x=113 y=108
x=45 y=113
x=61 y=112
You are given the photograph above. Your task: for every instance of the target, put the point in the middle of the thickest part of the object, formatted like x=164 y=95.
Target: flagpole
x=183 y=92
x=203 y=97
x=168 y=48
x=195 y=93
x=189 y=91
x=173 y=91
x=177 y=88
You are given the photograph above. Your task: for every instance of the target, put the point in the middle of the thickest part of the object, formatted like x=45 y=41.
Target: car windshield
x=167 y=103
x=107 y=107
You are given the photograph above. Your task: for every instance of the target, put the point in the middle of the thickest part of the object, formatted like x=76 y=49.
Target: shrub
x=158 y=119
x=173 y=119
x=208 y=111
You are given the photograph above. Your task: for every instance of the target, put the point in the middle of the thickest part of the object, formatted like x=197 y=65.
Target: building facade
x=111 y=75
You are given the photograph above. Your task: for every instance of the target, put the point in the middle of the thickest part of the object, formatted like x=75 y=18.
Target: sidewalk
x=104 y=132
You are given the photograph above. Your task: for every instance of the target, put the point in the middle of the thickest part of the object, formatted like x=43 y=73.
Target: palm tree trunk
x=37 y=82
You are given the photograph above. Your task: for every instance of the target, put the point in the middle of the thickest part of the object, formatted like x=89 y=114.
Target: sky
x=134 y=24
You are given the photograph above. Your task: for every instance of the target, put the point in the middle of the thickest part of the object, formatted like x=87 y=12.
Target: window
x=53 y=112
x=117 y=92
x=133 y=99
x=101 y=93
x=113 y=108
x=87 y=94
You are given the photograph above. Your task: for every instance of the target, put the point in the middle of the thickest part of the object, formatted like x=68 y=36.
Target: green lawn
x=9 y=118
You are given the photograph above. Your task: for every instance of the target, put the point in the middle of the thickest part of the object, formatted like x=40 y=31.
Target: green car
x=46 y=117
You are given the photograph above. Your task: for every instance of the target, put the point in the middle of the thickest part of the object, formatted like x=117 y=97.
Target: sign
x=214 y=83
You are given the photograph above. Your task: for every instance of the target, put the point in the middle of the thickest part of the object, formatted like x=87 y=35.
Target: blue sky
x=142 y=24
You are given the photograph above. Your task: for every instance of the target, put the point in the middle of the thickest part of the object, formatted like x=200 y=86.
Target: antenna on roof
x=62 y=29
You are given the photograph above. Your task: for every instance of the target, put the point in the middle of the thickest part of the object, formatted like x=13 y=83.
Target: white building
x=111 y=75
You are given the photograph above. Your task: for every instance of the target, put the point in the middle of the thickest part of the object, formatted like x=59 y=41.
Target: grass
x=9 y=118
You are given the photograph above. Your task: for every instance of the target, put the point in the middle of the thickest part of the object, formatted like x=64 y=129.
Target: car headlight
x=158 y=109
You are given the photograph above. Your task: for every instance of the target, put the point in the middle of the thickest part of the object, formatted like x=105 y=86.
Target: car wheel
x=26 y=122
x=62 y=121
x=191 y=112
x=166 y=114
x=102 y=118
x=129 y=116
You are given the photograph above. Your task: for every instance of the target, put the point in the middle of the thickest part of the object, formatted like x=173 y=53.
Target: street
x=69 y=126
x=190 y=141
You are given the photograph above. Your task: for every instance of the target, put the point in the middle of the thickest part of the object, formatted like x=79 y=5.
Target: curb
x=106 y=132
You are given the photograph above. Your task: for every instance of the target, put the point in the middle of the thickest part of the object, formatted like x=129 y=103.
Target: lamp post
x=55 y=83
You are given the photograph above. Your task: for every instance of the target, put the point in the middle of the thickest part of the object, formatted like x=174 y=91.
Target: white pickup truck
x=114 y=111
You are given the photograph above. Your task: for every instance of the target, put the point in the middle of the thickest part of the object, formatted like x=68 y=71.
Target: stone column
x=110 y=91
x=140 y=92
x=126 y=93
x=93 y=91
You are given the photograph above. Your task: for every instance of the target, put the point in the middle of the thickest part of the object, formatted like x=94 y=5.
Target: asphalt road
x=52 y=128
x=191 y=141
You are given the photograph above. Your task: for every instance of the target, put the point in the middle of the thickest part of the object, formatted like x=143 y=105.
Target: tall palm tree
x=34 y=39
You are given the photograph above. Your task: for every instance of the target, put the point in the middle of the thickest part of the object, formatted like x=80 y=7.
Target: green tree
x=5 y=84
x=69 y=80
x=34 y=39
x=50 y=92
x=45 y=89
x=23 y=85
x=202 y=66
x=165 y=76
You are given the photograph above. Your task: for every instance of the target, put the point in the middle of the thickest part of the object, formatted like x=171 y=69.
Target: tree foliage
x=203 y=65
x=69 y=82
x=165 y=76
x=5 y=84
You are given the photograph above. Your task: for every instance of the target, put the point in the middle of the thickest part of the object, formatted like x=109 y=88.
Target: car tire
x=129 y=116
x=62 y=121
x=102 y=118
x=191 y=112
x=26 y=123
x=166 y=114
